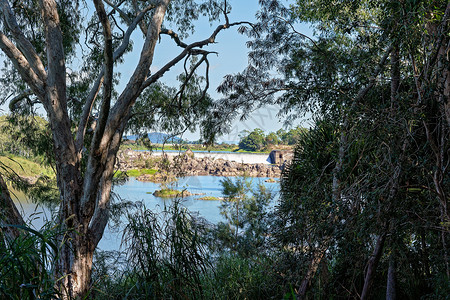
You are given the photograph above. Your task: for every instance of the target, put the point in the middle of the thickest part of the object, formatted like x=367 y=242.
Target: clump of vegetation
x=170 y=193
x=210 y=198
x=27 y=263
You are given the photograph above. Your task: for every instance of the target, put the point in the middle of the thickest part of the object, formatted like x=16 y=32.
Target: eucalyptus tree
x=371 y=179
x=87 y=116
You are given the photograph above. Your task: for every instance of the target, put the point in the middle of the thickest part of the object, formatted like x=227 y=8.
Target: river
x=134 y=190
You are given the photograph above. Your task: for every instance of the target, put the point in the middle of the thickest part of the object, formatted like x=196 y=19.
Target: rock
x=188 y=165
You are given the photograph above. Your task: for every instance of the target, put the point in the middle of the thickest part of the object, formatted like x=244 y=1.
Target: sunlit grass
x=25 y=167
x=136 y=172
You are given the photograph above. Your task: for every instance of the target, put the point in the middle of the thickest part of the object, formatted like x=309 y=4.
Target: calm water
x=134 y=190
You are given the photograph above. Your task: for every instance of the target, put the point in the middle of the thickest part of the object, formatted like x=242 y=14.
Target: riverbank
x=187 y=164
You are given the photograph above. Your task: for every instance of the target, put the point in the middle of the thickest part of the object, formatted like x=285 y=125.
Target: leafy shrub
x=26 y=264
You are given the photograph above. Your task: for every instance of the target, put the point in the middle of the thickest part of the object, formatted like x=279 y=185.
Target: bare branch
x=93 y=174
x=174 y=36
x=126 y=39
x=18 y=98
x=118 y=116
x=189 y=75
x=87 y=108
x=121 y=12
x=108 y=68
x=134 y=86
x=188 y=49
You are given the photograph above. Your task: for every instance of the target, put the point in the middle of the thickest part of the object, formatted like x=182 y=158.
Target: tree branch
x=96 y=152
x=121 y=12
x=22 y=65
x=87 y=108
x=118 y=115
x=174 y=36
x=189 y=75
x=188 y=49
x=133 y=88
x=56 y=82
x=23 y=43
x=18 y=98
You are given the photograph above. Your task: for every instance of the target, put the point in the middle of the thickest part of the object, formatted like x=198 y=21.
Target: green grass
x=255 y=152
x=210 y=198
x=136 y=172
x=25 y=167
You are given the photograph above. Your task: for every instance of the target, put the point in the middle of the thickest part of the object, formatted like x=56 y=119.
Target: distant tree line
x=257 y=140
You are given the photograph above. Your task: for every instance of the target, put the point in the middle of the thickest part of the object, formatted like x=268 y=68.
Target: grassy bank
x=135 y=172
x=25 y=167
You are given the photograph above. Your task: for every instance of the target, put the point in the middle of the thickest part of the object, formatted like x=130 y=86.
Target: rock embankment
x=221 y=167
x=187 y=165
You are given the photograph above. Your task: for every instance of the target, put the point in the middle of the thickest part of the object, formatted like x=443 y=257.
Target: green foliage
x=167 y=193
x=378 y=147
x=27 y=264
x=247 y=221
x=236 y=277
x=25 y=167
x=257 y=141
x=27 y=136
x=253 y=141
x=166 y=257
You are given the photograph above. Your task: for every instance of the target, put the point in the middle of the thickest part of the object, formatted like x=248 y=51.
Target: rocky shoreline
x=187 y=164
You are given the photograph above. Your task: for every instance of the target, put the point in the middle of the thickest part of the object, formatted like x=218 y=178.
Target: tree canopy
x=368 y=188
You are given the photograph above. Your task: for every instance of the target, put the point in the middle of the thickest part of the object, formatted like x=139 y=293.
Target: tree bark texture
x=391 y=281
